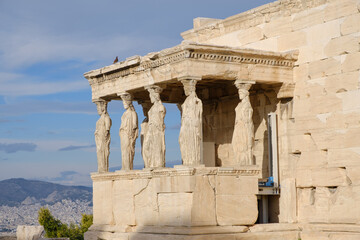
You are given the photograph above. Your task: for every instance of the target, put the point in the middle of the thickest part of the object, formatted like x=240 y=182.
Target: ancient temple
x=269 y=103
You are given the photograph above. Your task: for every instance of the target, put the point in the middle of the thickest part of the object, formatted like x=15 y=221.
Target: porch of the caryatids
x=128 y=132
x=191 y=137
x=102 y=136
x=243 y=136
x=154 y=141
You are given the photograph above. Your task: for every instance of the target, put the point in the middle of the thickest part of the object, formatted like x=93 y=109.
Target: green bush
x=54 y=228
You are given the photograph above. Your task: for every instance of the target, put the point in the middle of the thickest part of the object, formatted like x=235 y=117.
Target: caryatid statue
x=243 y=136
x=102 y=136
x=128 y=132
x=146 y=105
x=190 y=138
x=154 y=142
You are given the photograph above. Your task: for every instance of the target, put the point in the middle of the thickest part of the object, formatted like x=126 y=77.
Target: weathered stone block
x=332 y=138
x=228 y=211
x=277 y=27
x=227 y=185
x=325 y=104
x=307 y=18
x=325 y=67
x=346 y=157
x=269 y=44
x=292 y=40
x=312 y=159
x=311 y=52
x=338 y=9
x=123 y=202
x=342 y=82
x=174 y=184
x=351 y=24
x=102 y=199
x=146 y=206
x=301 y=73
x=322 y=33
x=342 y=45
x=250 y=35
x=175 y=208
x=314 y=204
x=351 y=138
x=203 y=203
x=350 y=101
x=288 y=201
x=351 y=62
x=343 y=205
x=321 y=177
x=302 y=143
x=29 y=232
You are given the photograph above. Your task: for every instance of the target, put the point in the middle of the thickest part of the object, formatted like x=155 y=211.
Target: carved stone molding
x=286 y=90
x=182 y=171
x=189 y=50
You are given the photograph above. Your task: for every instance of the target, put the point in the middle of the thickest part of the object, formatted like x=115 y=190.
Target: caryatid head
x=101 y=106
x=127 y=99
x=243 y=88
x=154 y=92
x=189 y=86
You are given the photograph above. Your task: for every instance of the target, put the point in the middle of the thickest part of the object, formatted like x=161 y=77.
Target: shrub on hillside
x=54 y=228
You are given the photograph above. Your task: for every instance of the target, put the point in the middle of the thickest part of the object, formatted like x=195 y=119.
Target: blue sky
x=47 y=119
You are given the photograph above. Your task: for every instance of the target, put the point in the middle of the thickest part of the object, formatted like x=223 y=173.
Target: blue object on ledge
x=270 y=182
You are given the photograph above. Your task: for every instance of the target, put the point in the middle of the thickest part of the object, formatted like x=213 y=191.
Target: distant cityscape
x=21 y=199
x=66 y=210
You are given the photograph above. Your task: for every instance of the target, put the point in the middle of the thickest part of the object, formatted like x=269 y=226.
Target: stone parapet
x=177 y=197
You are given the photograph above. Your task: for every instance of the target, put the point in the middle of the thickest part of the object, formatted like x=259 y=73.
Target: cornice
x=190 y=51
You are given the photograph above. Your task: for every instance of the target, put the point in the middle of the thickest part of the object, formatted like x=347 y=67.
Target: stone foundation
x=217 y=199
x=276 y=231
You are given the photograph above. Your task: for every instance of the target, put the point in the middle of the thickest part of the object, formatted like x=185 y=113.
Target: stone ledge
x=274 y=227
x=272 y=231
x=354 y=228
x=191 y=230
x=178 y=171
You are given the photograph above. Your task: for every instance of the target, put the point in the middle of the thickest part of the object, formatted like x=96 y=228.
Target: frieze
x=194 y=51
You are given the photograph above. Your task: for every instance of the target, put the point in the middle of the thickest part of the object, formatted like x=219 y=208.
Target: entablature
x=205 y=62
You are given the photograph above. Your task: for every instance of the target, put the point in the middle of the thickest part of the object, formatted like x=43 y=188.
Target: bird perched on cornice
x=116 y=60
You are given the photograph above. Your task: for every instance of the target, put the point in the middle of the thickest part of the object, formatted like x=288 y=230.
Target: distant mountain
x=19 y=191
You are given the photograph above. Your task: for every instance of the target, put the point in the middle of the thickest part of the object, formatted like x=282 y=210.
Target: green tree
x=54 y=228
x=51 y=225
x=86 y=222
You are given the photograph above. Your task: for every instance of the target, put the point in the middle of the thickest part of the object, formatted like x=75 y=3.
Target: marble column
x=154 y=142
x=102 y=136
x=243 y=136
x=128 y=132
x=190 y=138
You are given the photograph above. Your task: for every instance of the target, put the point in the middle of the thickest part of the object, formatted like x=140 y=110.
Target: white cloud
x=47 y=145
x=33 y=106
x=21 y=85
x=19 y=51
